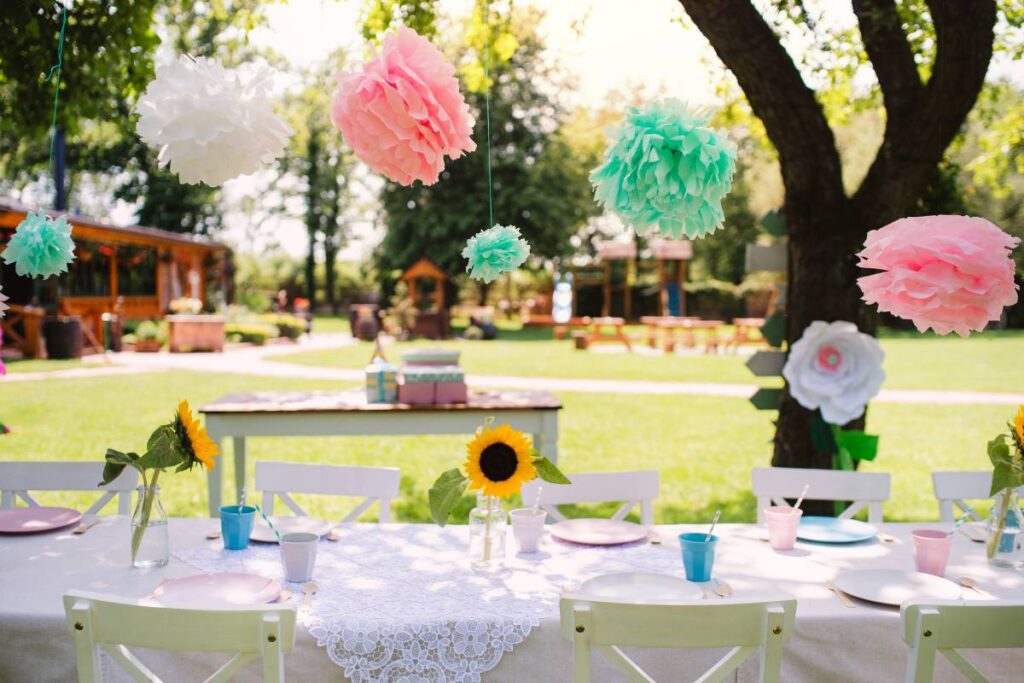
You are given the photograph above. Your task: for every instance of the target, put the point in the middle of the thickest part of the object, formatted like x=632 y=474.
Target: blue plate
x=832 y=530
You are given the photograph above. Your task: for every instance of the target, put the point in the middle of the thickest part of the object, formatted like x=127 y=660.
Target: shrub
x=713 y=299
x=288 y=326
x=147 y=330
x=252 y=333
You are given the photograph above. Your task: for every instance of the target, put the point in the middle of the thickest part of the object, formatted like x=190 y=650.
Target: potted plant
x=147 y=337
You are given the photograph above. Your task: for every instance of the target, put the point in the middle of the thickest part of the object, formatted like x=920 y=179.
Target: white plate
x=976 y=531
x=261 y=533
x=598 y=531
x=641 y=588
x=893 y=586
x=226 y=589
x=834 y=530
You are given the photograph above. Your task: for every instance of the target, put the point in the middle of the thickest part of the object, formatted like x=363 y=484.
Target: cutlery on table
x=722 y=589
x=972 y=533
x=213 y=535
x=152 y=595
x=886 y=538
x=653 y=537
x=968 y=582
x=285 y=595
x=85 y=526
x=334 y=535
x=843 y=597
x=309 y=589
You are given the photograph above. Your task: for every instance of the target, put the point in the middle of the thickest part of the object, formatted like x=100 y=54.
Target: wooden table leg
x=546 y=440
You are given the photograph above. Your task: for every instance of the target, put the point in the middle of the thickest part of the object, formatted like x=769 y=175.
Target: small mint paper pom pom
x=41 y=246
x=666 y=170
x=495 y=251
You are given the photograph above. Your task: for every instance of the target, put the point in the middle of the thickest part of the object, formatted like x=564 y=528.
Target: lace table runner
x=400 y=603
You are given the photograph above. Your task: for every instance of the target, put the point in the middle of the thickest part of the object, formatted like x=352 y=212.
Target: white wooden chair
x=956 y=488
x=772 y=485
x=944 y=625
x=746 y=627
x=283 y=478
x=113 y=624
x=18 y=479
x=634 y=488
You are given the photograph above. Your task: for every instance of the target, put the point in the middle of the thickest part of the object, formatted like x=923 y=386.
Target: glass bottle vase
x=1005 y=524
x=150 y=543
x=488 y=524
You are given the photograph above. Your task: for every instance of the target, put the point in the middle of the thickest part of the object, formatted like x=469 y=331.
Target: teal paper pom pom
x=495 y=251
x=41 y=246
x=666 y=170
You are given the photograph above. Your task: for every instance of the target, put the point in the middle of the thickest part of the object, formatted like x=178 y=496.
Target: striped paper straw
x=269 y=523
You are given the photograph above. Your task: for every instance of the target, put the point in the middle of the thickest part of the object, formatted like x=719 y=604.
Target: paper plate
x=203 y=591
x=893 y=586
x=640 y=588
x=261 y=533
x=598 y=531
x=833 y=530
x=36 y=520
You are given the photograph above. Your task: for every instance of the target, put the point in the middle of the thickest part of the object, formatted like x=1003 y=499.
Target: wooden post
x=606 y=299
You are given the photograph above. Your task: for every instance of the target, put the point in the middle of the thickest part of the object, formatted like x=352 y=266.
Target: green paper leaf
x=860 y=446
x=547 y=471
x=774 y=329
x=445 y=493
x=774 y=223
x=164 y=449
x=116 y=462
x=822 y=436
x=766 y=399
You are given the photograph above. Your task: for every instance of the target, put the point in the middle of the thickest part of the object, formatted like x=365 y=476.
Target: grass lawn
x=703 y=446
x=34 y=365
x=984 y=362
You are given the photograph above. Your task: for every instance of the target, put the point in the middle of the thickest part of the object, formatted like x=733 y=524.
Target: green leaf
x=822 y=436
x=116 y=462
x=774 y=329
x=861 y=446
x=774 y=223
x=445 y=493
x=547 y=471
x=164 y=449
x=999 y=451
x=1003 y=477
x=766 y=399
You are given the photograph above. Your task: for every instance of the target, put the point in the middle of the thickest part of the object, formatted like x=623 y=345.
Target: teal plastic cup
x=698 y=555
x=236 y=525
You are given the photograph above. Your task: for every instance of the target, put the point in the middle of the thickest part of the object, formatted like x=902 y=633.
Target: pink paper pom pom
x=949 y=273
x=403 y=112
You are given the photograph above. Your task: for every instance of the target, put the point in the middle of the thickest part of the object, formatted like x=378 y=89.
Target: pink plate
x=36 y=520
x=227 y=589
x=598 y=531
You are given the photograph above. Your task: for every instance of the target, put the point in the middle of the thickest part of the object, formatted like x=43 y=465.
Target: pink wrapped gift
x=450 y=392
x=422 y=384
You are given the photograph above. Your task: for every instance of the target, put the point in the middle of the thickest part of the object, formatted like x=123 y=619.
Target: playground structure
x=426 y=284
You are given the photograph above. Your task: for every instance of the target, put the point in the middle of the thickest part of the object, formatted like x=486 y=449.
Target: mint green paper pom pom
x=666 y=170
x=41 y=246
x=495 y=251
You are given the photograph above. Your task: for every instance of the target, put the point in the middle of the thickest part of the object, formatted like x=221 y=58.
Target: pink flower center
x=829 y=358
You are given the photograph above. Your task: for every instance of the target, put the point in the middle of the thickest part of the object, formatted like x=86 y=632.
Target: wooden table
x=745 y=329
x=686 y=329
x=606 y=330
x=652 y=323
x=346 y=413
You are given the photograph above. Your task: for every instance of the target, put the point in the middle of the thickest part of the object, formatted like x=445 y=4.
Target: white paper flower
x=211 y=124
x=836 y=368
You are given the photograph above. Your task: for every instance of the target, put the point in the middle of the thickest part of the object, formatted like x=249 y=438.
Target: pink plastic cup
x=782 y=523
x=931 y=551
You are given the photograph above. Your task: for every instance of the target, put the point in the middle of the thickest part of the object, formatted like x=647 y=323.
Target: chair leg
x=85 y=648
x=581 y=645
x=921 y=662
x=771 y=650
x=273 y=654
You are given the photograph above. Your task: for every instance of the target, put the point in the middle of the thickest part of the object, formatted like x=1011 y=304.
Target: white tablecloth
x=398 y=603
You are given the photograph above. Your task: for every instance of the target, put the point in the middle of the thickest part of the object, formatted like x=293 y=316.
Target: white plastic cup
x=298 y=555
x=782 y=525
x=528 y=528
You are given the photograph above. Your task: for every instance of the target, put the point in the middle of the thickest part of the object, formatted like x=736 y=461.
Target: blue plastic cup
x=236 y=525
x=698 y=555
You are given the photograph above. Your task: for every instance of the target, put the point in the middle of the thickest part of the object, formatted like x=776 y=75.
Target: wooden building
x=133 y=270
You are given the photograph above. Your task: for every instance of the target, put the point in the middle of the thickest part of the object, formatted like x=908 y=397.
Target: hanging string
x=55 y=69
x=487 y=106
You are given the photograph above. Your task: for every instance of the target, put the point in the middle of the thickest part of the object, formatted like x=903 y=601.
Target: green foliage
x=713 y=299
x=378 y=16
x=250 y=333
x=722 y=254
x=547 y=470
x=1007 y=464
x=288 y=326
x=445 y=493
x=539 y=173
x=147 y=331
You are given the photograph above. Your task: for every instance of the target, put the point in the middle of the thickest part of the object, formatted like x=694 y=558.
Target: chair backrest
x=632 y=488
x=772 y=485
x=18 y=479
x=373 y=483
x=945 y=625
x=746 y=627
x=956 y=488
x=114 y=624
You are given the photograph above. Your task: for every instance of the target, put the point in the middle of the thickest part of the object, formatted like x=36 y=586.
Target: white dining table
x=399 y=602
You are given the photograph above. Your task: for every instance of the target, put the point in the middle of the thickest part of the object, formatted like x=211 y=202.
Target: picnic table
x=747 y=331
x=340 y=413
x=652 y=323
x=603 y=331
x=686 y=329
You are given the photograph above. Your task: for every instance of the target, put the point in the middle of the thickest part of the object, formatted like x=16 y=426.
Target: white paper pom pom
x=211 y=124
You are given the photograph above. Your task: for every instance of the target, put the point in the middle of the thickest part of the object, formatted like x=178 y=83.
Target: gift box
x=427 y=384
x=381 y=382
x=431 y=357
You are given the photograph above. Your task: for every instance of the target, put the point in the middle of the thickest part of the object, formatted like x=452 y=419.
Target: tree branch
x=914 y=144
x=792 y=117
x=890 y=55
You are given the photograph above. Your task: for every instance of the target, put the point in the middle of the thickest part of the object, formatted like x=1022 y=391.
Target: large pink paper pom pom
x=403 y=112
x=949 y=273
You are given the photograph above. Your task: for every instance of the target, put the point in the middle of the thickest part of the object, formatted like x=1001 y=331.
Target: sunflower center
x=498 y=462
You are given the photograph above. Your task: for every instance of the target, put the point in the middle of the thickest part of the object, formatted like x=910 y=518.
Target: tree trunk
x=312 y=215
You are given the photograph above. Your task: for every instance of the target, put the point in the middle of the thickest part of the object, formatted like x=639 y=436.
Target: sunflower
x=1018 y=428
x=198 y=444
x=500 y=461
